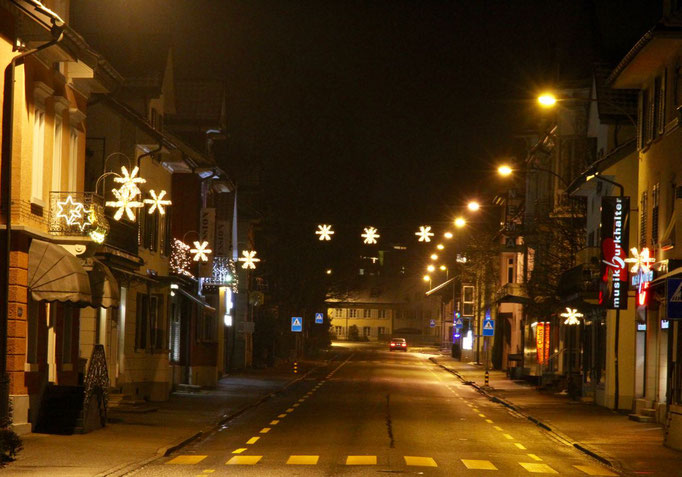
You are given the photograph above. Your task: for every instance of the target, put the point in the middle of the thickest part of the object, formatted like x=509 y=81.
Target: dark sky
x=381 y=112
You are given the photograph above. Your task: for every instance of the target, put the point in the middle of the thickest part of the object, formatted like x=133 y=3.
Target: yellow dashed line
x=519 y=445
x=282 y=416
x=253 y=440
x=538 y=468
x=303 y=459
x=497 y=428
x=534 y=457
x=265 y=430
x=209 y=471
x=420 y=461
x=239 y=451
x=274 y=422
x=481 y=415
x=296 y=404
x=244 y=460
x=478 y=464
x=508 y=436
x=291 y=409
x=361 y=460
x=187 y=459
x=488 y=421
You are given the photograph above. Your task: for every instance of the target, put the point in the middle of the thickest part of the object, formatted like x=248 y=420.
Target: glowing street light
x=547 y=100
x=504 y=170
x=460 y=222
x=447 y=235
x=426 y=278
x=440 y=246
x=443 y=268
x=434 y=256
x=431 y=268
x=329 y=271
x=473 y=206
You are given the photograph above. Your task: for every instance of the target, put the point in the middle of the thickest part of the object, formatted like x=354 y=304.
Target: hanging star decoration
x=424 y=233
x=571 y=316
x=126 y=194
x=370 y=235
x=249 y=259
x=325 y=232
x=157 y=202
x=180 y=261
x=641 y=260
x=71 y=211
x=201 y=251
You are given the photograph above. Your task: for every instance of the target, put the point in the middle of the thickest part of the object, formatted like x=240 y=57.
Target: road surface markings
x=303 y=459
x=187 y=459
x=301 y=400
x=481 y=415
x=274 y=422
x=508 y=436
x=253 y=440
x=534 y=457
x=361 y=460
x=291 y=409
x=497 y=428
x=420 y=461
x=594 y=470
x=478 y=464
x=265 y=430
x=489 y=421
x=296 y=404
x=538 y=468
x=244 y=460
x=520 y=446
x=208 y=471
x=239 y=451
x=282 y=416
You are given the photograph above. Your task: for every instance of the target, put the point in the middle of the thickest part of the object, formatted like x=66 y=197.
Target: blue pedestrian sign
x=319 y=318
x=432 y=323
x=458 y=324
x=674 y=294
x=296 y=324
x=488 y=327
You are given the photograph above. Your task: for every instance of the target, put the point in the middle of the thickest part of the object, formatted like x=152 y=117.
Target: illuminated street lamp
x=447 y=235
x=434 y=256
x=426 y=278
x=443 y=268
x=440 y=246
x=473 y=206
x=460 y=222
x=430 y=268
x=547 y=100
x=504 y=170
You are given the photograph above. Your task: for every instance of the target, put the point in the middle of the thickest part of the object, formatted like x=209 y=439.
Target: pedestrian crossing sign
x=488 y=327
x=674 y=298
x=319 y=318
x=296 y=324
x=458 y=324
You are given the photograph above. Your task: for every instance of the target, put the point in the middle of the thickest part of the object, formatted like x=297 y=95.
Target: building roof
x=613 y=103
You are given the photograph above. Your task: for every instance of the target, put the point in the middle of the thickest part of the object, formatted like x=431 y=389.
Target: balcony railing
x=511 y=293
x=77 y=214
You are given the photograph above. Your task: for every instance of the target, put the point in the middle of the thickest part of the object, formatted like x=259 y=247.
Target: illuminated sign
x=615 y=231
x=542 y=330
x=468 y=340
x=641 y=267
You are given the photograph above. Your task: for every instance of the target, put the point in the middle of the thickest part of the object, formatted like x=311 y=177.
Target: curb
x=532 y=419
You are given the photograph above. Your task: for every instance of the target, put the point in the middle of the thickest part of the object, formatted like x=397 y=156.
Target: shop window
x=174 y=334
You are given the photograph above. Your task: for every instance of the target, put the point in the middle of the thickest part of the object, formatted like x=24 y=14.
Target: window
x=655 y=199
x=644 y=123
x=141 y=326
x=149 y=228
x=510 y=270
x=156 y=321
x=37 y=163
x=365 y=330
x=366 y=313
x=338 y=313
x=352 y=313
x=165 y=233
x=381 y=330
x=338 y=330
x=382 y=313
x=57 y=156
x=73 y=160
x=643 y=204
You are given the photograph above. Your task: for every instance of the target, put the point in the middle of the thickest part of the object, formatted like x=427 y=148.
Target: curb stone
x=534 y=420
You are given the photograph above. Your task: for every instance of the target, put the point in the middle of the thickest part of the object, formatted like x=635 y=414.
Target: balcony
x=511 y=293
x=77 y=214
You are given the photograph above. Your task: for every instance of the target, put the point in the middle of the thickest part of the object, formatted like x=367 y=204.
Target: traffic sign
x=458 y=324
x=319 y=318
x=432 y=323
x=674 y=298
x=296 y=324
x=488 y=327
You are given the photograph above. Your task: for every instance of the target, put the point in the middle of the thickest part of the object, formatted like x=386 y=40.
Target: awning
x=104 y=287
x=195 y=299
x=439 y=287
x=675 y=273
x=56 y=275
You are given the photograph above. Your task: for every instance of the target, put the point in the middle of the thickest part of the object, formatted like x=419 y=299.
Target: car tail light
x=392 y=344
x=404 y=344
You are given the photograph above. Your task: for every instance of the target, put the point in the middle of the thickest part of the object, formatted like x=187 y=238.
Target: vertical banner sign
x=207 y=233
x=222 y=238
x=540 y=342
x=615 y=233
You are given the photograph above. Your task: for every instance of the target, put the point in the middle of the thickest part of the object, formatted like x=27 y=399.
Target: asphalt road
x=373 y=412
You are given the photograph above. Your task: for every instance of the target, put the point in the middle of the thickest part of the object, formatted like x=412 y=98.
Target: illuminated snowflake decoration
x=125 y=202
x=157 y=202
x=325 y=232
x=424 y=233
x=249 y=259
x=130 y=180
x=180 y=260
x=201 y=251
x=571 y=316
x=71 y=211
x=370 y=235
x=641 y=260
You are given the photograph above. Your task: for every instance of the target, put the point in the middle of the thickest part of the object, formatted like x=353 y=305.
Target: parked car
x=398 y=343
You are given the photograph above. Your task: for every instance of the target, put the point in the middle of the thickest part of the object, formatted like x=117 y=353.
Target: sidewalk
x=631 y=447
x=130 y=439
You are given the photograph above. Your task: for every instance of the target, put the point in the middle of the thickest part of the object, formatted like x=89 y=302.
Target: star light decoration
x=325 y=232
x=571 y=316
x=127 y=193
x=424 y=233
x=641 y=260
x=370 y=235
x=201 y=251
x=71 y=211
x=157 y=202
x=249 y=259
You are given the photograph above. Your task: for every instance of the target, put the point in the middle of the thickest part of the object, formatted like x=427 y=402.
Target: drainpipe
x=7 y=151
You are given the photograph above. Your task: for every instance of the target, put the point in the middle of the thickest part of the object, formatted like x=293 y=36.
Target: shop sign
x=542 y=341
x=615 y=232
x=207 y=234
x=642 y=273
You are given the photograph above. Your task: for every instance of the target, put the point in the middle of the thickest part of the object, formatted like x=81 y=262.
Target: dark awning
x=104 y=287
x=56 y=275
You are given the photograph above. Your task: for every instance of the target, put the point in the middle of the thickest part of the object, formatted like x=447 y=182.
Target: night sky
x=381 y=112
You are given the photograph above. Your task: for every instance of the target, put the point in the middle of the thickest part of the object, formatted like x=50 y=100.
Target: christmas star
x=641 y=260
x=325 y=232
x=249 y=259
x=125 y=203
x=130 y=181
x=70 y=210
x=571 y=316
x=157 y=202
x=370 y=235
x=424 y=233
x=201 y=251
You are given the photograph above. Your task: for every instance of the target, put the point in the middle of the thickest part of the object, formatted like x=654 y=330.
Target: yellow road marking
x=520 y=446
x=187 y=459
x=253 y=440
x=244 y=460
x=239 y=451
x=361 y=460
x=538 y=468
x=488 y=421
x=534 y=457
x=594 y=470
x=301 y=400
x=265 y=430
x=282 y=416
x=274 y=422
x=296 y=404
x=478 y=464
x=474 y=409
x=303 y=459
x=420 y=461
x=209 y=471
x=497 y=428
x=481 y=415
x=291 y=409
x=508 y=436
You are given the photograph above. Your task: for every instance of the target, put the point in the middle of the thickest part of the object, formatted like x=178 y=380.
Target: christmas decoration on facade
x=70 y=211
x=224 y=274
x=249 y=259
x=201 y=251
x=642 y=261
x=571 y=316
x=424 y=233
x=370 y=235
x=180 y=259
x=157 y=202
x=130 y=180
x=325 y=232
x=77 y=214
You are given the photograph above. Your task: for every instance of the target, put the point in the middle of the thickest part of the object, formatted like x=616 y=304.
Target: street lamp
x=473 y=206
x=430 y=268
x=548 y=100
x=434 y=256
x=460 y=222
x=447 y=235
x=504 y=170
x=440 y=246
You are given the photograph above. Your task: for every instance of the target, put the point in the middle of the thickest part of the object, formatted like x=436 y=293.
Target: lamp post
x=549 y=100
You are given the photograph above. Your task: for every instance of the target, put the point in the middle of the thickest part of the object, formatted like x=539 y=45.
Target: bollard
x=487 y=378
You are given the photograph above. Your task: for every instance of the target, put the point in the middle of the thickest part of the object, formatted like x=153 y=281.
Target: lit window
x=38 y=156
